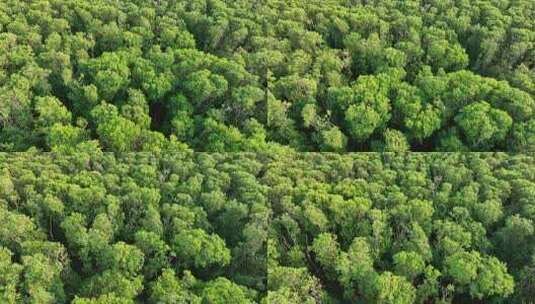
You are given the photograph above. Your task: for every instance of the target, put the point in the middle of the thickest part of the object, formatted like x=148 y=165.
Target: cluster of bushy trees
x=402 y=228
x=267 y=228
x=158 y=82
x=181 y=229
x=241 y=75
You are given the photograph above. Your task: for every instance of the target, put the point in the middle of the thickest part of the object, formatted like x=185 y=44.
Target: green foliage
x=221 y=291
x=483 y=276
x=481 y=124
x=329 y=76
x=278 y=227
x=99 y=228
x=401 y=228
x=408 y=264
x=198 y=249
x=169 y=289
x=9 y=278
x=393 y=289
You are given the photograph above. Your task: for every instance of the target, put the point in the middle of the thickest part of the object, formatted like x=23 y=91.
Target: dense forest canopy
x=181 y=229
x=267 y=228
x=252 y=75
x=402 y=228
x=176 y=130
